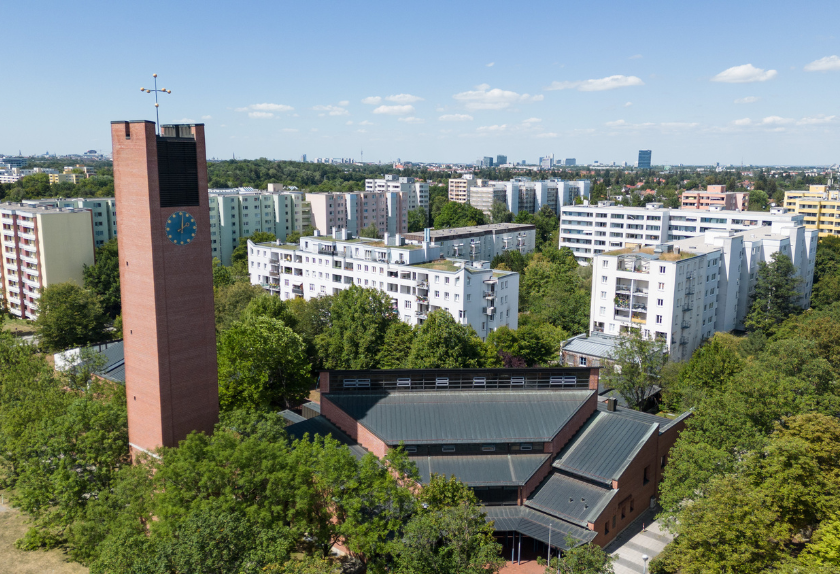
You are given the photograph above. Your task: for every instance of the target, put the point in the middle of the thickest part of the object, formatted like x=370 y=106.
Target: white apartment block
x=685 y=291
x=417 y=191
x=481 y=242
x=103 y=212
x=592 y=229
x=243 y=211
x=353 y=211
x=518 y=194
x=41 y=246
x=416 y=278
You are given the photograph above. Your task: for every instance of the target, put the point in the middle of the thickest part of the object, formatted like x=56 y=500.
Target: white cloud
x=598 y=85
x=491 y=64
x=679 y=125
x=344 y=103
x=349 y=123
x=372 y=100
x=260 y=115
x=366 y=123
x=455 y=118
x=404 y=99
x=331 y=110
x=747 y=100
x=206 y=117
x=361 y=131
x=494 y=128
x=186 y=121
x=744 y=74
x=532 y=121
x=412 y=120
x=395 y=110
x=827 y=64
x=820 y=119
x=743 y=122
x=635 y=57
x=628 y=104
x=546 y=135
x=271 y=107
x=775 y=120
x=483 y=98
x=616 y=123
x=290 y=130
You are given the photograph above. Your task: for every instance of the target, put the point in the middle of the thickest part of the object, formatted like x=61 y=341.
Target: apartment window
x=660 y=302
x=603 y=294
x=437 y=278
x=408 y=304
x=469 y=296
x=662 y=269
x=661 y=286
x=437 y=294
x=659 y=319
x=446 y=296
x=582 y=361
x=606 y=263
x=457 y=297
x=602 y=311
x=603 y=278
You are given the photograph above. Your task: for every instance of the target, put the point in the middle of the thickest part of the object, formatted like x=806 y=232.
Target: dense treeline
x=752 y=484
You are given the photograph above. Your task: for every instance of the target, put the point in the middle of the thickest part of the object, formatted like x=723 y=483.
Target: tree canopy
x=775 y=297
x=103 y=278
x=69 y=316
x=454 y=214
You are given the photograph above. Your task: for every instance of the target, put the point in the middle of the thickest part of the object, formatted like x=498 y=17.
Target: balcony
x=683 y=341
x=638 y=319
x=28 y=258
x=422 y=284
x=688 y=306
x=489 y=310
x=14 y=289
x=297 y=290
x=326 y=251
x=13 y=299
x=640 y=307
x=622 y=289
x=489 y=294
x=31 y=283
x=34 y=294
x=640 y=292
x=685 y=325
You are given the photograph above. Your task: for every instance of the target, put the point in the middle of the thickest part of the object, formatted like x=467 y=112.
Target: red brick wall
x=574 y=424
x=352 y=427
x=593 y=379
x=324 y=382
x=526 y=490
x=167 y=299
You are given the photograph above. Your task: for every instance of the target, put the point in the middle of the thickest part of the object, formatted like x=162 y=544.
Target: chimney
x=387 y=238
x=335 y=232
x=611 y=403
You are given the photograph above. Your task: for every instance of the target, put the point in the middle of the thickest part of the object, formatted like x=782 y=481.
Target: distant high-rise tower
x=570 y=161
x=487 y=161
x=644 y=159
x=303 y=158
x=501 y=159
x=166 y=282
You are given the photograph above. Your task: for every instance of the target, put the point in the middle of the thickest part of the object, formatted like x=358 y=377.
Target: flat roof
x=593 y=345
x=451 y=417
x=482 y=470
x=39 y=209
x=471 y=231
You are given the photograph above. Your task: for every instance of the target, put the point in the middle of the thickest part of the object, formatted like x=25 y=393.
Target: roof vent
x=611 y=402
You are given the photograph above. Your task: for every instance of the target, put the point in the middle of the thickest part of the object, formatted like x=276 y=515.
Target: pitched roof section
x=537 y=525
x=604 y=446
x=321 y=426
x=571 y=499
x=482 y=470
x=456 y=417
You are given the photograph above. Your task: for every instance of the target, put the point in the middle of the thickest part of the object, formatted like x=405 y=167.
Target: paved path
x=644 y=536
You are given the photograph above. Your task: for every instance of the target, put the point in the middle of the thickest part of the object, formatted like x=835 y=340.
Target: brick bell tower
x=166 y=282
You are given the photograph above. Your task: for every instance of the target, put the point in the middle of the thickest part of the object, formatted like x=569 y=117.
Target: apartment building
x=715 y=196
x=103 y=212
x=684 y=291
x=243 y=211
x=417 y=192
x=416 y=277
x=41 y=246
x=518 y=194
x=481 y=242
x=353 y=211
x=592 y=229
x=819 y=206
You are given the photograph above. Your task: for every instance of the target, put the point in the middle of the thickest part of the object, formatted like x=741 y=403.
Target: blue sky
x=750 y=81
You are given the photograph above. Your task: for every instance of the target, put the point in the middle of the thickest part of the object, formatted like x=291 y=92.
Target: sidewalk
x=633 y=542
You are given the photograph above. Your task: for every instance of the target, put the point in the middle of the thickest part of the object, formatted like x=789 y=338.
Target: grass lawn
x=13 y=525
x=18 y=326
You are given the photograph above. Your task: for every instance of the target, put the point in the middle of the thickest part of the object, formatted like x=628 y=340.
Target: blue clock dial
x=181 y=228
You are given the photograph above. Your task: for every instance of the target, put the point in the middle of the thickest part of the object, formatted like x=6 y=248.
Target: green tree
x=441 y=343
x=294 y=236
x=634 y=368
x=512 y=259
x=358 y=321
x=554 y=291
x=371 y=231
x=103 y=278
x=311 y=318
x=230 y=302
x=222 y=276
x=417 y=220
x=824 y=549
x=240 y=252
x=396 y=346
x=775 y=297
x=262 y=364
x=711 y=367
x=454 y=214
x=499 y=213
x=271 y=306
x=581 y=559
x=546 y=221
x=69 y=316
x=436 y=205
x=448 y=534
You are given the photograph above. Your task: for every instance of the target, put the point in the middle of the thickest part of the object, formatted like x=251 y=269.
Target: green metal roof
x=482 y=470
x=452 y=417
x=537 y=525
x=604 y=446
x=571 y=499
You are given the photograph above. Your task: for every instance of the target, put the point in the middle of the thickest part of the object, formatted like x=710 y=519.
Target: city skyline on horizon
x=440 y=94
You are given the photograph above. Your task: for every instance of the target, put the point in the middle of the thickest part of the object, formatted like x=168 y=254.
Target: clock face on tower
x=180 y=228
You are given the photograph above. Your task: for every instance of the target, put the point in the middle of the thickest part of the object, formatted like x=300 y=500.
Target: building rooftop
x=537 y=525
x=571 y=499
x=604 y=446
x=593 y=345
x=321 y=426
x=482 y=470
x=473 y=231
x=454 y=417
x=37 y=209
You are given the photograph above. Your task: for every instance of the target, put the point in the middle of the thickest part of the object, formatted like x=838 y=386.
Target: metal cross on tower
x=155 y=90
